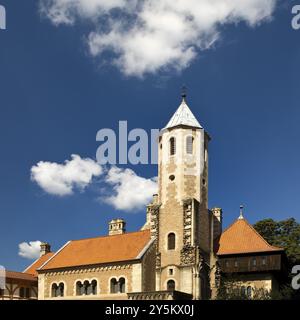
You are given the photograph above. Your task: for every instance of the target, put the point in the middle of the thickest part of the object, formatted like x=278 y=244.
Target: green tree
x=285 y=234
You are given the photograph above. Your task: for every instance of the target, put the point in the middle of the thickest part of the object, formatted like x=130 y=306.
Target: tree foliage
x=285 y=234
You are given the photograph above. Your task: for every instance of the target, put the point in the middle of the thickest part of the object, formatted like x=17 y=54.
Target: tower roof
x=241 y=238
x=183 y=116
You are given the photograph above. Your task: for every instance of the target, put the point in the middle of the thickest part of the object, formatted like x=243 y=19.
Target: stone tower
x=179 y=215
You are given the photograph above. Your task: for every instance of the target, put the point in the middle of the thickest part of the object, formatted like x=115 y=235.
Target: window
x=57 y=290
x=79 y=288
x=171 y=272
x=249 y=292
x=1 y=292
x=94 y=287
x=243 y=291
x=117 y=286
x=226 y=263
x=264 y=261
x=171 y=285
x=254 y=262
x=172 y=146
x=236 y=264
x=87 y=288
x=113 y=286
x=171 y=241
x=189 y=144
x=122 y=285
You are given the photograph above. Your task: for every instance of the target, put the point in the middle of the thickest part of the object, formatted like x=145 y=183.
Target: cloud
x=62 y=179
x=30 y=250
x=149 y=36
x=131 y=192
x=122 y=188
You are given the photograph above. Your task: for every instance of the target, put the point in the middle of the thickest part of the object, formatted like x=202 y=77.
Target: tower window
x=189 y=144
x=171 y=272
x=171 y=285
x=172 y=146
x=171 y=241
x=172 y=177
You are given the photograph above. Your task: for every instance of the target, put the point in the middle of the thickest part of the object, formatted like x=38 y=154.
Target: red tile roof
x=108 y=249
x=38 y=263
x=19 y=276
x=241 y=238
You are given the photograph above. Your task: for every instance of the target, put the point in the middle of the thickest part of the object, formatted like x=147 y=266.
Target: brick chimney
x=117 y=226
x=45 y=248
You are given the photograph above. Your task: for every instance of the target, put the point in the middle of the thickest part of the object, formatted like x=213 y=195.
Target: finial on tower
x=183 y=92
x=241 y=212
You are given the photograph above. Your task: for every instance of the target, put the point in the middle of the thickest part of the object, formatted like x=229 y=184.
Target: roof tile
x=241 y=238
x=108 y=249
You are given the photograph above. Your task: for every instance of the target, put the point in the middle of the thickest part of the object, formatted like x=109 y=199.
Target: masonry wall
x=131 y=272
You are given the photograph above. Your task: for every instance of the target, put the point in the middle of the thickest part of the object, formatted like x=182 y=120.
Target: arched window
x=94 y=287
x=57 y=290
x=86 y=285
x=79 y=290
x=249 y=292
x=171 y=285
x=171 y=241
x=172 y=146
x=54 y=290
x=243 y=291
x=122 y=285
x=113 y=285
x=61 y=290
x=189 y=144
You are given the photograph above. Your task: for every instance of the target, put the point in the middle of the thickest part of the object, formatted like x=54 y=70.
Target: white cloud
x=126 y=190
x=147 y=36
x=62 y=179
x=30 y=250
x=131 y=192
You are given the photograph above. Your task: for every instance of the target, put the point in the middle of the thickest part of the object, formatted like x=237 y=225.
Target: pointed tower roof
x=241 y=238
x=183 y=116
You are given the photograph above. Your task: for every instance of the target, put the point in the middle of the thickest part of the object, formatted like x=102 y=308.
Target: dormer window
x=172 y=146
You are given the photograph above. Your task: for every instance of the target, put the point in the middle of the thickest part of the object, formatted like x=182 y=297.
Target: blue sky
x=55 y=96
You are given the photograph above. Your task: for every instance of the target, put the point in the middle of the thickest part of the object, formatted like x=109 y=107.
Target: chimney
x=45 y=248
x=217 y=216
x=117 y=226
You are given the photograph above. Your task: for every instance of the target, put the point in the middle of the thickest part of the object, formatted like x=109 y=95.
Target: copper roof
x=108 y=249
x=241 y=238
x=19 y=276
x=38 y=263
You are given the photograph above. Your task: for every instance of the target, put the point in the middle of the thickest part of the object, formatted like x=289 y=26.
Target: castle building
x=180 y=252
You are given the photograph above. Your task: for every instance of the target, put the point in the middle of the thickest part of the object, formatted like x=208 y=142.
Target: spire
x=183 y=92
x=241 y=217
x=183 y=115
